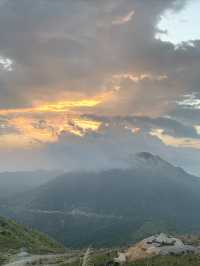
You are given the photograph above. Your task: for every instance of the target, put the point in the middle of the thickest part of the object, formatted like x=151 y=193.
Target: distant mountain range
x=13 y=183
x=116 y=206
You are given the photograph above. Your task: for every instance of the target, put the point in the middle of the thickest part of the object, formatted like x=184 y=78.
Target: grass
x=13 y=237
x=192 y=260
x=96 y=258
x=103 y=258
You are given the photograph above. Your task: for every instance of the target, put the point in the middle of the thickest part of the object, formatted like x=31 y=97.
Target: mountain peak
x=147 y=156
x=146 y=160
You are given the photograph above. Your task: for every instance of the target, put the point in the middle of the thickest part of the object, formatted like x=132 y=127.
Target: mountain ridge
x=147 y=198
x=14 y=183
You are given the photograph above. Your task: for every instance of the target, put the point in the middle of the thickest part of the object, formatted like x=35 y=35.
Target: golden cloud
x=44 y=122
x=175 y=141
x=61 y=106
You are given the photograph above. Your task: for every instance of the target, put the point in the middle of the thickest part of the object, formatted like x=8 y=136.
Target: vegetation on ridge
x=14 y=237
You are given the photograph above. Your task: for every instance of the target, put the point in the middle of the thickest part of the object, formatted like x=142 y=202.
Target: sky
x=85 y=84
x=182 y=26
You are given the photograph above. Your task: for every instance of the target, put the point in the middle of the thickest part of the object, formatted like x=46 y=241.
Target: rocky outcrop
x=161 y=244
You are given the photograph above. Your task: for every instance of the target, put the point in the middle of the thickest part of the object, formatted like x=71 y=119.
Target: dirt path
x=42 y=260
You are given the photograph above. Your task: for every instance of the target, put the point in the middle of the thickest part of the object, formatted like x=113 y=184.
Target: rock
x=161 y=244
x=121 y=258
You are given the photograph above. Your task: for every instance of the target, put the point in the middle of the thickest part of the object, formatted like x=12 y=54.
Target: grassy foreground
x=103 y=258
x=13 y=237
x=169 y=261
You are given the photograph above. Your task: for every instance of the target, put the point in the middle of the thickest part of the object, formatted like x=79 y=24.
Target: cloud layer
x=78 y=67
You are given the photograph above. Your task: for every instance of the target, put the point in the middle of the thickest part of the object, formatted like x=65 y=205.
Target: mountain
x=14 y=237
x=13 y=183
x=116 y=206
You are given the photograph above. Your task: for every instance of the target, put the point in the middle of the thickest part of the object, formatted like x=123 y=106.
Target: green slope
x=13 y=237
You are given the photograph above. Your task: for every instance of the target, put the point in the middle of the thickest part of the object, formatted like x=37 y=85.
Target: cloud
x=176 y=142
x=190 y=101
x=100 y=58
x=168 y=125
x=5 y=128
x=112 y=147
x=124 y=19
x=6 y=64
x=68 y=47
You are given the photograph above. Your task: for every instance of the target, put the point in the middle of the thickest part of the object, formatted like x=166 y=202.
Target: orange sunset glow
x=98 y=78
x=45 y=122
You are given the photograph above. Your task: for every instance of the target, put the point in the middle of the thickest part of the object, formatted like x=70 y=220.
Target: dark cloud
x=68 y=46
x=113 y=147
x=73 y=46
x=189 y=116
x=5 y=127
x=170 y=126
